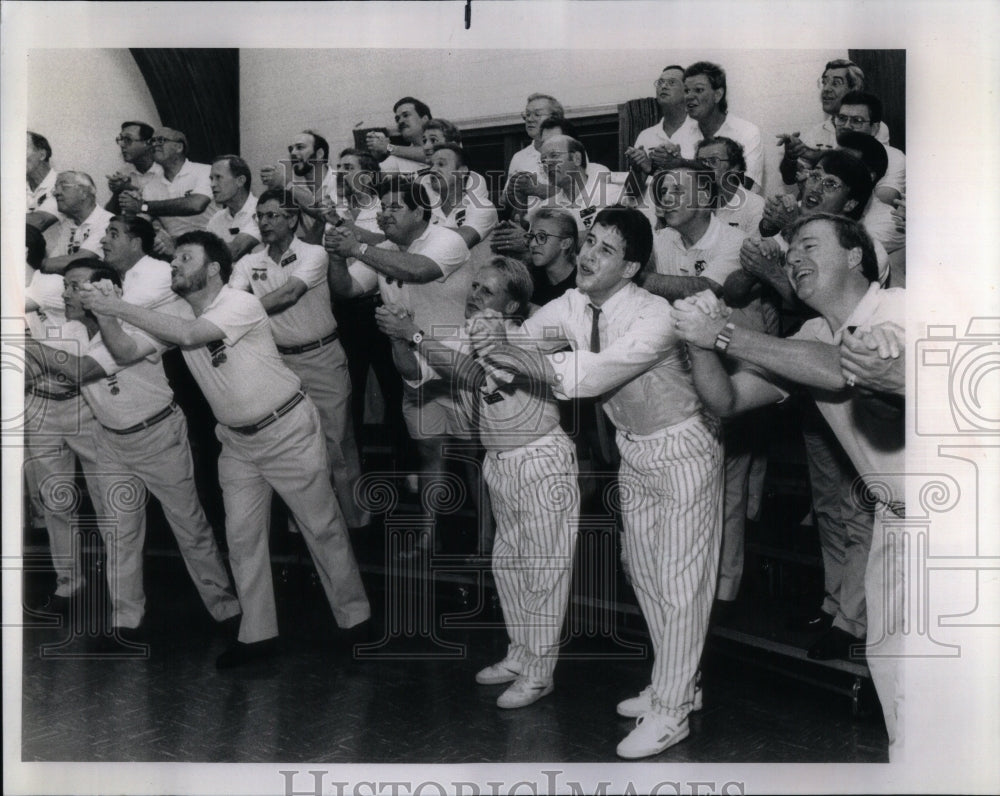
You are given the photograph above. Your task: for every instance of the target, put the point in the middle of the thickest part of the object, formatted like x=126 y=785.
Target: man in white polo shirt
x=408 y=157
x=41 y=179
x=140 y=168
x=736 y=206
x=82 y=223
x=179 y=199
x=674 y=136
x=142 y=442
x=455 y=207
x=311 y=183
x=235 y=221
x=288 y=275
x=270 y=433
x=705 y=92
x=528 y=161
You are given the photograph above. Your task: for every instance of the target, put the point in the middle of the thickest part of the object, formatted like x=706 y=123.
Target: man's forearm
x=711 y=381
x=405 y=360
x=806 y=362
x=673 y=288
x=71 y=367
x=59 y=264
x=169 y=328
x=121 y=345
x=402 y=266
x=181 y=206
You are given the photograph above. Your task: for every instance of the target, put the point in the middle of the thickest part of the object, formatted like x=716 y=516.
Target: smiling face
x=816 y=263
x=536 y=112
x=602 y=269
x=409 y=123
x=699 y=96
x=678 y=200
x=832 y=87
x=397 y=221
x=430 y=139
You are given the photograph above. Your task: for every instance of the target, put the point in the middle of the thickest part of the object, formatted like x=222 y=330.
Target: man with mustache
x=409 y=157
x=311 y=184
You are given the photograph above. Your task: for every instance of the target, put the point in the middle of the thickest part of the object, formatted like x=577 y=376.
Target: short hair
x=557 y=108
x=869 y=100
x=850 y=234
x=82 y=179
x=181 y=138
x=450 y=146
x=420 y=107
x=215 y=250
x=734 y=151
x=566 y=223
x=672 y=66
x=574 y=145
x=855 y=175
x=706 y=185
x=716 y=78
x=411 y=191
x=145 y=130
x=100 y=270
x=855 y=74
x=634 y=228
x=451 y=133
x=365 y=158
x=238 y=167
x=34 y=241
x=517 y=282
x=319 y=143
x=138 y=227
x=871 y=151
x=40 y=142
x=285 y=200
x=565 y=126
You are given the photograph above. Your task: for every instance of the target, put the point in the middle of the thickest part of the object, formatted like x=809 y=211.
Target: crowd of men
x=592 y=322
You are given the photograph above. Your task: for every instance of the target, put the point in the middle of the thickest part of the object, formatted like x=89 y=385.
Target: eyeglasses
x=714 y=162
x=269 y=216
x=828 y=184
x=159 y=140
x=841 y=119
x=664 y=82
x=535 y=115
x=541 y=237
x=127 y=140
x=835 y=82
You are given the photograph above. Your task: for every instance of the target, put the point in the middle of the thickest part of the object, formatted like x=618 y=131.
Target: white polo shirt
x=128 y=394
x=139 y=179
x=687 y=137
x=824 y=135
x=440 y=303
x=228 y=225
x=895 y=174
x=85 y=235
x=875 y=447
x=743 y=211
x=46 y=291
x=41 y=199
x=881 y=225
x=397 y=165
x=528 y=159
x=249 y=379
x=598 y=192
x=470 y=211
x=310 y=318
x=714 y=256
x=747 y=134
x=193 y=178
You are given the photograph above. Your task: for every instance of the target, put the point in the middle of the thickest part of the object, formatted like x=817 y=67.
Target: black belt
x=163 y=414
x=301 y=349
x=281 y=411
x=55 y=396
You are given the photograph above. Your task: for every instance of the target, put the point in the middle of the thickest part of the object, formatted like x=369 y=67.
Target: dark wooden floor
x=410 y=700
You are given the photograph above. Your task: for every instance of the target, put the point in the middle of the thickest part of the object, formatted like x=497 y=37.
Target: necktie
x=601 y=419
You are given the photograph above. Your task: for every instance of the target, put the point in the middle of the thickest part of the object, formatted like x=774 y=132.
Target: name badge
x=234 y=230
x=493 y=397
x=288 y=259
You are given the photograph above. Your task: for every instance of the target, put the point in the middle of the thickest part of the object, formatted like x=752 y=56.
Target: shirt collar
x=862 y=312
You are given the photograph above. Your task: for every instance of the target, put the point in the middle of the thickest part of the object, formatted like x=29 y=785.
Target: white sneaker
x=524 y=692
x=652 y=734
x=506 y=671
x=643 y=703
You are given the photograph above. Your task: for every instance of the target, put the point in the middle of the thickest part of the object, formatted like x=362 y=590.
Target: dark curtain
x=885 y=77
x=196 y=91
x=633 y=117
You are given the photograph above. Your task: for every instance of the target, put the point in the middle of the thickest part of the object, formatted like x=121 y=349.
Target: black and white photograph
x=498 y=397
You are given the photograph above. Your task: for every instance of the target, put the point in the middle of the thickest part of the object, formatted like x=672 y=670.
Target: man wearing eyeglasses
x=802 y=150
x=82 y=221
x=528 y=161
x=861 y=112
x=137 y=152
x=269 y=429
x=736 y=206
x=674 y=136
x=41 y=177
x=289 y=276
x=179 y=199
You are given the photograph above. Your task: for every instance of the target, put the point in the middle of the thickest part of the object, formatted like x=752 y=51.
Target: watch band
x=361 y=251
x=724 y=338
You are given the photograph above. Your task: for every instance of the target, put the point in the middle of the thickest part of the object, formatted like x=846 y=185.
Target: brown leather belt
x=163 y=414
x=301 y=349
x=281 y=411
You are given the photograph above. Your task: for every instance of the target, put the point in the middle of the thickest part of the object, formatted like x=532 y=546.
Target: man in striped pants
x=530 y=468
x=624 y=349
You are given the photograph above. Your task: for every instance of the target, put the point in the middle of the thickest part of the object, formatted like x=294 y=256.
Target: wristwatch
x=389 y=148
x=416 y=339
x=362 y=248
x=724 y=338
x=144 y=207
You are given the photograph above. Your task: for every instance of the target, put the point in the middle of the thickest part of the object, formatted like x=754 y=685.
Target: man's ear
x=854 y=257
x=875 y=128
x=511 y=307
x=631 y=268
x=849 y=205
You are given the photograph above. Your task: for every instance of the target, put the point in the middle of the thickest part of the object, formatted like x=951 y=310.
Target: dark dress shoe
x=241 y=654
x=229 y=627
x=835 y=643
x=810 y=623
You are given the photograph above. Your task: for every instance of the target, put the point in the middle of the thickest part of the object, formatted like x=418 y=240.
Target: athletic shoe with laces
x=524 y=692
x=633 y=707
x=653 y=733
x=506 y=671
